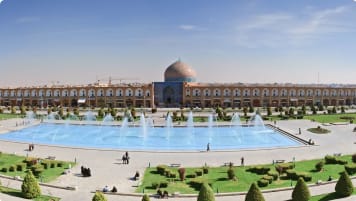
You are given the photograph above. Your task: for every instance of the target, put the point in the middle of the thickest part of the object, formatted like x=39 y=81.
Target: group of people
x=161 y=194
x=85 y=171
x=31 y=147
x=125 y=158
x=106 y=189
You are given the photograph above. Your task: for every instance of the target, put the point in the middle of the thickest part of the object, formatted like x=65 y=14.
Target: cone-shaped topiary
x=344 y=185
x=30 y=188
x=206 y=193
x=254 y=194
x=301 y=191
x=99 y=196
x=145 y=197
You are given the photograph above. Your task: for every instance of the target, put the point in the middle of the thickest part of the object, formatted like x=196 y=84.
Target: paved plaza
x=107 y=168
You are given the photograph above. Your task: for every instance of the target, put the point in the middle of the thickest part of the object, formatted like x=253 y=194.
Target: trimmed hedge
x=20 y=167
x=350 y=169
x=161 y=169
x=319 y=166
x=262 y=183
x=268 y=178
x=333 y=160
x=283 y=167
x=273 y=174
x=198 y=182
x=259 y=170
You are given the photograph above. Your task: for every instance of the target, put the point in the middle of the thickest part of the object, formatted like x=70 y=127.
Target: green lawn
x=218 y=177
x=330 y=118
x=17 y=193
x=10 y=116
x=329 y=196
x=49 y=174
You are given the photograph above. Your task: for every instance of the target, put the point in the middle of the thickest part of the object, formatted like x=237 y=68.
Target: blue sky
x=252 y=41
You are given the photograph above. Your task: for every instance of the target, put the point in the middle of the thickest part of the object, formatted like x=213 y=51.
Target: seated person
x=114 y=189
x=160 y=193
x=137 y=175
x=106 y=189
x=165 y=194
x=330 y=178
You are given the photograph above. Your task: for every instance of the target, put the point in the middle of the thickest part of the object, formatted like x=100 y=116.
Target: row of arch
x=75 y=92
x=269 y=92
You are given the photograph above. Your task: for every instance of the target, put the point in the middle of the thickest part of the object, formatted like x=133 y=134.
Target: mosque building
x=180 y=89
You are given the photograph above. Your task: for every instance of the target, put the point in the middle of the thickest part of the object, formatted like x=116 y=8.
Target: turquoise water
x=157 y=138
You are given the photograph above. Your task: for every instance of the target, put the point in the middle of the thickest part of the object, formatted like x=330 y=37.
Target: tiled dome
x=179 y=72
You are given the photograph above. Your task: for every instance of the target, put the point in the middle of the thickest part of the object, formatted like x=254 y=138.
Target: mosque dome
x=179 y=72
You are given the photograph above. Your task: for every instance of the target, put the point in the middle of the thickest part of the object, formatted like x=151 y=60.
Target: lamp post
x=293 y=161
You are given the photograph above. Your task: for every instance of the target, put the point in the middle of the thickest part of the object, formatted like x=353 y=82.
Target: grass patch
x=319 y=130
x=328 y=196
x=10 y=116
x=217 y=176
x=331 y=118
x=49 y=174
x=18 y=193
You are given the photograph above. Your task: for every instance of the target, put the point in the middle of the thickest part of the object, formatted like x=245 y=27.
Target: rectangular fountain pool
x=151 y=138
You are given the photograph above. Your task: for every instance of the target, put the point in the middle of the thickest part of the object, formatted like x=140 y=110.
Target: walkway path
x=108 y=170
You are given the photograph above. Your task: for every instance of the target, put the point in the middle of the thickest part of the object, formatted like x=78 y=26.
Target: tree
x=30 y=188
x=145 y=197
x=344 y=185
x=254 y=194
x=206 y=193
x=269 y=111
x=301 y=191
x=99 y=196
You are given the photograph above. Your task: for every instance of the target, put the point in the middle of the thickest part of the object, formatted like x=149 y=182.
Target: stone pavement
x=107 y=169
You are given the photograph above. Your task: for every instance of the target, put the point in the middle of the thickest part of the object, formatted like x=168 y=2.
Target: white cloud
x=281 y=29
x=187 y=27
x=1 y=1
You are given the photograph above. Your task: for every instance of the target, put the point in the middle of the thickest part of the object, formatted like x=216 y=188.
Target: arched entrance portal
x=169 y=95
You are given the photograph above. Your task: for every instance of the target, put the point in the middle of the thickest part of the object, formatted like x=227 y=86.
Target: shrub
x=99 y=196
x=206 y=193
x=4 y=169
x=37 y=169
x=46 y=164
x=161 y=169
x=330 y=159
x=155 y=185
x=292 y=174
x=20 y=167
x=319 y=166
x=30 y=161
x=172 y=175
x=306 y=177
x=199 y=172
x=350 y=169
x=30 y=188
x=205 y=169
x=268 y=178
x=163 y=184
x=301 y=191
x=145 y=197
x=341 y=162
x=198 y=182
x=259 y=170
x=354 y=158
x=60 y=164
x=53 y=164
x=273 y=174
x=283 y=167
x=12 y=168
x=254 y=194
x=262 y=183
x=167 y=173
x=181 y=172
x=230 y=173
x=344 y=185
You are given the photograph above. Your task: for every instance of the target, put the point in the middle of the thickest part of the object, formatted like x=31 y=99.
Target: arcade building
x=179 y=89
